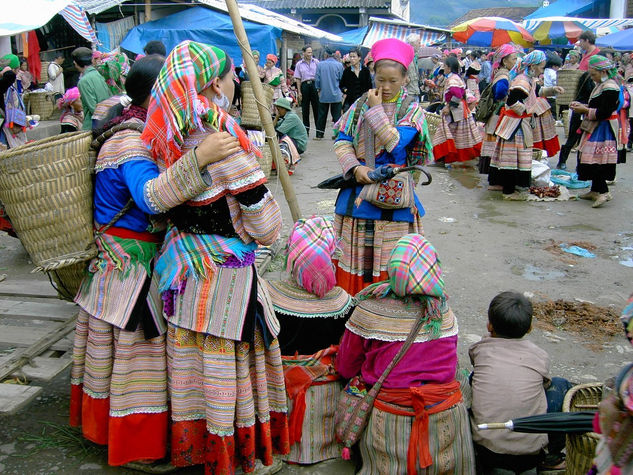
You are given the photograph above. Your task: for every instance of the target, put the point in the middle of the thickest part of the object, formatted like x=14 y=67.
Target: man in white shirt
x=56 y=75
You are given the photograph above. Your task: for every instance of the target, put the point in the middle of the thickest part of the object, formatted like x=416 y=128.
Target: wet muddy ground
x=486 y=245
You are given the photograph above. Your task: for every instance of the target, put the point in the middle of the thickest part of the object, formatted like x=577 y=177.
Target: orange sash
x=424 y=400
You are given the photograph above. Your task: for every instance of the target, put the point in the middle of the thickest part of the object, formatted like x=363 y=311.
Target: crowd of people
x=184 y=354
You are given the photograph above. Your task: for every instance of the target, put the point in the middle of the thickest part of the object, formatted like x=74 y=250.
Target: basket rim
x=572 y=392
x=46 y=143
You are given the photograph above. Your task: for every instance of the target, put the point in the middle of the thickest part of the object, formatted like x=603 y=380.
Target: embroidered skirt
x=545 y=137
x=317 y=442
x=119 y=390
x=228 y=401
x=385 y=442
x=366 y=246
x=598 y=154
x=457 y=141
x=511 y=162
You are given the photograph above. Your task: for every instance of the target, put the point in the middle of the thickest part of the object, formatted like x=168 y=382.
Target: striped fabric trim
x=290 y=299
x=76 y=16
x=122 y=147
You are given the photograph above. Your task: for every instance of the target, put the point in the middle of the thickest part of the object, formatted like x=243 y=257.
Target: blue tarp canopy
x=622 y=40
x=354 y=37
x=205 y=26
x=565 y=8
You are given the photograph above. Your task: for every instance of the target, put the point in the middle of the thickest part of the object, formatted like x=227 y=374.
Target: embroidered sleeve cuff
x=591 y=114
x=262 y=220
x=179 y=183
x=346 y=156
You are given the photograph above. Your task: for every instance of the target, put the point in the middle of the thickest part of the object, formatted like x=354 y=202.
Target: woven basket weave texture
x=250 y=112
x=41 y=103
x=46 y=188
x=568 y=79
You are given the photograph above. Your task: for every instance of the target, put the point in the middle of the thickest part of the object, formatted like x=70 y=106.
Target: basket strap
x=101 y=139
x=115 y=218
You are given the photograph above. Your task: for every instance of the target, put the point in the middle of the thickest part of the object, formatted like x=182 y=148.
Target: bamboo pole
x=264 y=113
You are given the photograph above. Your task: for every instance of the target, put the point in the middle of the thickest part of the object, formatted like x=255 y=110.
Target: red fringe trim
x=191 y=444
x=551 y=146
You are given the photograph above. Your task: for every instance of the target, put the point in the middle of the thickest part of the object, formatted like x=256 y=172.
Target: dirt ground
x=486 y=245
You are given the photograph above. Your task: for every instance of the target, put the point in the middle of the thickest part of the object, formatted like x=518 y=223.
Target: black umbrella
x=566 y=422
x=383 y=172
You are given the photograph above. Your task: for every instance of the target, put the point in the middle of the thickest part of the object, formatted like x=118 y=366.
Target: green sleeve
x=285 y=126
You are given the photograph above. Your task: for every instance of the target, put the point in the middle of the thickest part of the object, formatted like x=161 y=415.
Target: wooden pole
x=264 y=113
x=148 y=10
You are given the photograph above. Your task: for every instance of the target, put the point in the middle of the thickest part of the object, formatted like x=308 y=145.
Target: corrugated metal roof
x=98 y=6
x=266 y=17
x=313 y=4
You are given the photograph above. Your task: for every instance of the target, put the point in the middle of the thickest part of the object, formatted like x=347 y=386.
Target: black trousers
x=335 y=108
x=309 y=97
x=573 y=137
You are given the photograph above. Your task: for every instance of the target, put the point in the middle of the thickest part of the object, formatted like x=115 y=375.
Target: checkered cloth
x=310 y=248
x=176 y=108
x=414 y=271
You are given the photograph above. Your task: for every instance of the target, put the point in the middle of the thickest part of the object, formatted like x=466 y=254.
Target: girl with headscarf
x=119 y=371
x=228 y=400
x=572 y=60
x=25 y=78
x=387 y=128
x=457 y=138
x=114 y=68
x=472 y=84
x=504 y=59
x=601 y=141
x=13 y=129
x=72 y=116
x=312 y=312
x=525 y=123
x=275 y=77
x=419 y=423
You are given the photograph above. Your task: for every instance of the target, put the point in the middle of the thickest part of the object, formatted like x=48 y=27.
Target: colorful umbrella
x=491 y=32
x=558 y=32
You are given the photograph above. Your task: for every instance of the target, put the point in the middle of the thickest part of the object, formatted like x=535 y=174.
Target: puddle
x=467 y=178
x=627 y=262
x=580 y=227
x=488 y=210
x=531 y=272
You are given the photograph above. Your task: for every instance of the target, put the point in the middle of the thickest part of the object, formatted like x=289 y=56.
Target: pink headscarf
x=272 y=58
x=393 y=49
x=500 y=53
x=70 y=96
x=311 y=245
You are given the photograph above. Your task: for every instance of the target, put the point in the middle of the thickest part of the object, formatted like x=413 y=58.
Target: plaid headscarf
x=114 y=69
x=535 y=57
x=500 y=53
x=602 y=63
x=176 y=108
x=414 y=271
x=310 y=248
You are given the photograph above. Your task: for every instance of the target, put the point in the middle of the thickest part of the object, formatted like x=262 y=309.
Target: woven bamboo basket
x=44 y=72
x=432 y=122
x=569 y=80
x=41 y=103
x=66 y=280
x=46 y=188
x=250 y=112
x=266 y=162
x=581 y=448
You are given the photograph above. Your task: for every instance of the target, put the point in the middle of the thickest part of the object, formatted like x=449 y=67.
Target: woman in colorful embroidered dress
x=457 y=139
x=275 y=77
x=511 y=162
x=422 y=386
x=72 y=116
x=228 y=400
x=388 y=128
x=601 y=140
x=13 y=129
x=504 y=59
x=472 y=85
x=312 y=312
x=119 y=379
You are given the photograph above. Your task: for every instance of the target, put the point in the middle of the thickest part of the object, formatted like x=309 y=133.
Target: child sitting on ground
x=72 y=116
x=511 y=379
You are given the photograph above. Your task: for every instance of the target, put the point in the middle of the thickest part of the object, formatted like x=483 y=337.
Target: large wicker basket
x=582 y=447
x=569 y=80
x=44 y=72
x=250 y=112
x=46 y=188
x=565 y=116
x=40 y=103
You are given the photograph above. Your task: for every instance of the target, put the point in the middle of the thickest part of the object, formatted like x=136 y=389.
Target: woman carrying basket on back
x=119 y=371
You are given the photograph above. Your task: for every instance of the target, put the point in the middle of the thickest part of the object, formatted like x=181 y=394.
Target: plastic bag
x=540 y=173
